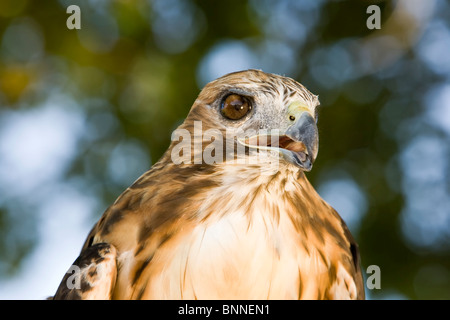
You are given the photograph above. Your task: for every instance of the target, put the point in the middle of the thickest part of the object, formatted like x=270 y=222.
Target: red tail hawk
x=248 y=225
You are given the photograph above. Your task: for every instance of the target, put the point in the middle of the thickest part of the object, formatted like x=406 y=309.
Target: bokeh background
x=83 y=113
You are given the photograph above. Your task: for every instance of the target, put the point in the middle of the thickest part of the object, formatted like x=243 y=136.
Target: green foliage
x=135 y=68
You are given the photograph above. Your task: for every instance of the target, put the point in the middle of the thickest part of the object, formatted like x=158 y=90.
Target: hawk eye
x=235 y=107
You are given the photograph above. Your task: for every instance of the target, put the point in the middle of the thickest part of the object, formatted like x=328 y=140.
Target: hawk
x=248 y=225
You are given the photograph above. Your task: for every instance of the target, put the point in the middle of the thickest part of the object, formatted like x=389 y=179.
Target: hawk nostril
x=292 y=118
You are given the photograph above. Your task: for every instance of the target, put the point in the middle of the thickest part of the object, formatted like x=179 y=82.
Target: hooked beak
x=298 y=145
x=305 y=137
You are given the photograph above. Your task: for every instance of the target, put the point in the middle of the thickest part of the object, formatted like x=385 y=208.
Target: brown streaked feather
x=97 y=275
x=356 y=260
x=226 y=231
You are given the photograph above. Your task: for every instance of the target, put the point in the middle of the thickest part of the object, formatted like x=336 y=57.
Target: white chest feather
x=244 y=247
x=232 y=258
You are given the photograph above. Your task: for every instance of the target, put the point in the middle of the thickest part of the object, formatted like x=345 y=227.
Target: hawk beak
x=298 y=145
x=304 y=144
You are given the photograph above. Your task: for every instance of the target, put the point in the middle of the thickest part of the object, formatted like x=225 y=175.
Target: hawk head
x=257 y=111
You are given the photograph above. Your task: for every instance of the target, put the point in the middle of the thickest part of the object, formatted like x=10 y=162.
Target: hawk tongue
x=297 y=147
x=294 y=146
x=283 y=142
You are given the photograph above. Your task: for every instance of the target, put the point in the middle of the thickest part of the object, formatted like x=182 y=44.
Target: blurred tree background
x=83 y=113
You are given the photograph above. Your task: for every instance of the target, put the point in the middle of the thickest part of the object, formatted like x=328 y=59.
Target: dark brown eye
x=235 y=107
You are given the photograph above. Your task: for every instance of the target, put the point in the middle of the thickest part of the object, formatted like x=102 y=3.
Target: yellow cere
x=296 y=108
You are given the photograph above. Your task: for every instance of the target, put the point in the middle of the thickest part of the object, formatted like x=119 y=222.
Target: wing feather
x=92 y=276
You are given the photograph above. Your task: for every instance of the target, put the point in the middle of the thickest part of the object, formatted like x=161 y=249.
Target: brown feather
x=225 y=230
x=96 y=271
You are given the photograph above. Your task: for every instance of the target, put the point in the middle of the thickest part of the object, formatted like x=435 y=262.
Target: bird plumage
x=245 y=227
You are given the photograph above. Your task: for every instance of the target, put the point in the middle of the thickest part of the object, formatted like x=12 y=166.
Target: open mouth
x=294 y=150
